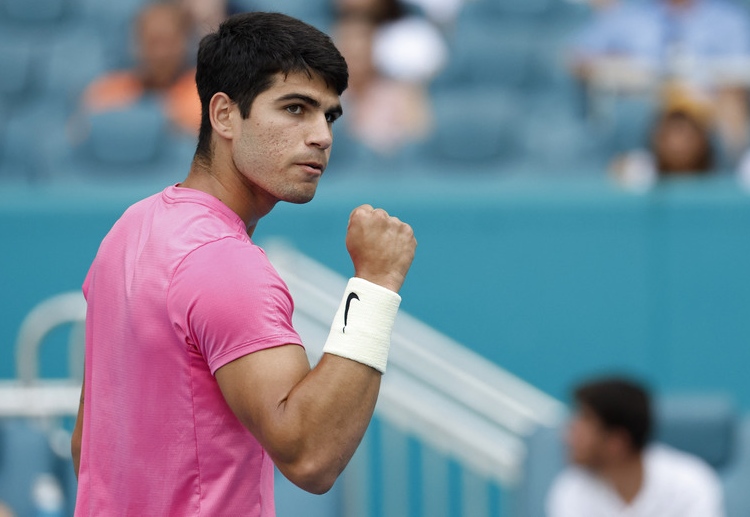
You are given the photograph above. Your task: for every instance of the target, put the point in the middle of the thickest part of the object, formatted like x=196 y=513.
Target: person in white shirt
x=616 y=472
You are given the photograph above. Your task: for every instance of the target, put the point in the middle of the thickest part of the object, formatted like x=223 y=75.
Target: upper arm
x=257 y=385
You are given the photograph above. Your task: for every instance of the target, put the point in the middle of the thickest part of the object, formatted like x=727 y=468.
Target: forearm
x=322 y=421
x=332 y=405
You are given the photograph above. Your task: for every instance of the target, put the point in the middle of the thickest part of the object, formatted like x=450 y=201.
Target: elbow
x=75 y=450
x=311 y=476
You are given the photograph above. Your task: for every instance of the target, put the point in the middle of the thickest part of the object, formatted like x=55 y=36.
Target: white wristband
x=361 y=329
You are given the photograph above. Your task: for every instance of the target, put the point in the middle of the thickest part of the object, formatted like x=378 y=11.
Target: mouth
x=313 y=167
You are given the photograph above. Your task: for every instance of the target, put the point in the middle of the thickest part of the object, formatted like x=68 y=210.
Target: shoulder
x=683 y=482
x=682 y=469
x=229 y=260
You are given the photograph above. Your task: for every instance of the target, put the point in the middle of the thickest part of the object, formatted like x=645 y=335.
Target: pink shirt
x=176 y=291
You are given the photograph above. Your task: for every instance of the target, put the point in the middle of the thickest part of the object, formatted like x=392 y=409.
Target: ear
x=620 y=442
x=223 y=113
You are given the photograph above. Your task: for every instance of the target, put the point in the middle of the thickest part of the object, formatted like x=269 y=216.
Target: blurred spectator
x=671 y=37
x=681 y=142
x=5 y=511
x=162 y=36
x=616 y=472
x=620 y=44
x=206 y=14
x=405 y=46
x=392 y=56
x=383 y=113
x=633 y=47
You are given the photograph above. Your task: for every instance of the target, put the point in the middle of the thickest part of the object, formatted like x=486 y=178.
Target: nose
x=320 y=134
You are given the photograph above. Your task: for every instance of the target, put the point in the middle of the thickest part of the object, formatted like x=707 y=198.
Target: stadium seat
x=488 y=53
x=708 y=426
x=33 y=141
x=702 y=425
x=16 y=63
x=128 y=136
x=554 y=136
x=315 y=12
x=71 y=60
x=133 y=144
x=34 y=11
x=114 y=23
x=503 y=9
x=474 y=126
x=523 y=7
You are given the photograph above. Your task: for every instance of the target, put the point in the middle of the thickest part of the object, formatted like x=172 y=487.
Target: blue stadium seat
x=114 y=23
x=34 y=140
x=503 y=9
x=72 y=60
x=703 y=425
x=17 y=64
x=627 y=121
x=307 y=10
x=524 y=7
x=127 y=145
x=556 y=138
x=128 y=136
x=474 y=126
x=34 y=11
x=488 y=53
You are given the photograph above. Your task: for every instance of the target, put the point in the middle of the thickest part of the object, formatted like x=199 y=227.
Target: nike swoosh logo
x=352 y=296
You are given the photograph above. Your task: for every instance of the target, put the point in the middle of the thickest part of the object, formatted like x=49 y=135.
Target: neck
x=626 y=477
x=230 y=190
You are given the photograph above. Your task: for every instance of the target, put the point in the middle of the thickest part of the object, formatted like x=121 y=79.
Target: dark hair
x=619 y=404
x=241 y=58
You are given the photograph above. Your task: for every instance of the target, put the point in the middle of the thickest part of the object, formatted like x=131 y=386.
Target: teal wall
x=551 y=280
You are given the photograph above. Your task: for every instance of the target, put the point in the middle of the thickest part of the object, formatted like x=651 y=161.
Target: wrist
x=361 y=329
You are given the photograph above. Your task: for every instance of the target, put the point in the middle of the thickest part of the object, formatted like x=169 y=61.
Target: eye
x=294 y=109
x=332 y=117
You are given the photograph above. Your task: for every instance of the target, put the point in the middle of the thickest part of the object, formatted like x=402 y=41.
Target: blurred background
x=576 y=173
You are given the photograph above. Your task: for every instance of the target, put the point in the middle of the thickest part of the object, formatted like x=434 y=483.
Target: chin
x=299 y=198
x=299 y=201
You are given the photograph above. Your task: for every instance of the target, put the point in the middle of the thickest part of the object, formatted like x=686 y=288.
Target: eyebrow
x=335 y=110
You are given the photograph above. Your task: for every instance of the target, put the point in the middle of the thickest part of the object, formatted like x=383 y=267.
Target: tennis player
x=196 y=383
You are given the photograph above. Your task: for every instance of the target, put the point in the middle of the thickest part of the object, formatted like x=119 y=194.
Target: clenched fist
x=381 y=247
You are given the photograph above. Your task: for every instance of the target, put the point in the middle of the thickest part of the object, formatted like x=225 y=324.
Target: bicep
x=257 y=385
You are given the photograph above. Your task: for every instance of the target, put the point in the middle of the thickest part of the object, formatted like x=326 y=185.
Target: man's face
x=162 y=45
x=587 y=440
x=680 y=144
x=354 y=39
x=282 y=148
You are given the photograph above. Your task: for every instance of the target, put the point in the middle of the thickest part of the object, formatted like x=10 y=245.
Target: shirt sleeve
x=227 y=301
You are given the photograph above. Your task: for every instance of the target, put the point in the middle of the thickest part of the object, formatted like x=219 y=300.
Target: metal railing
x=30 y=396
